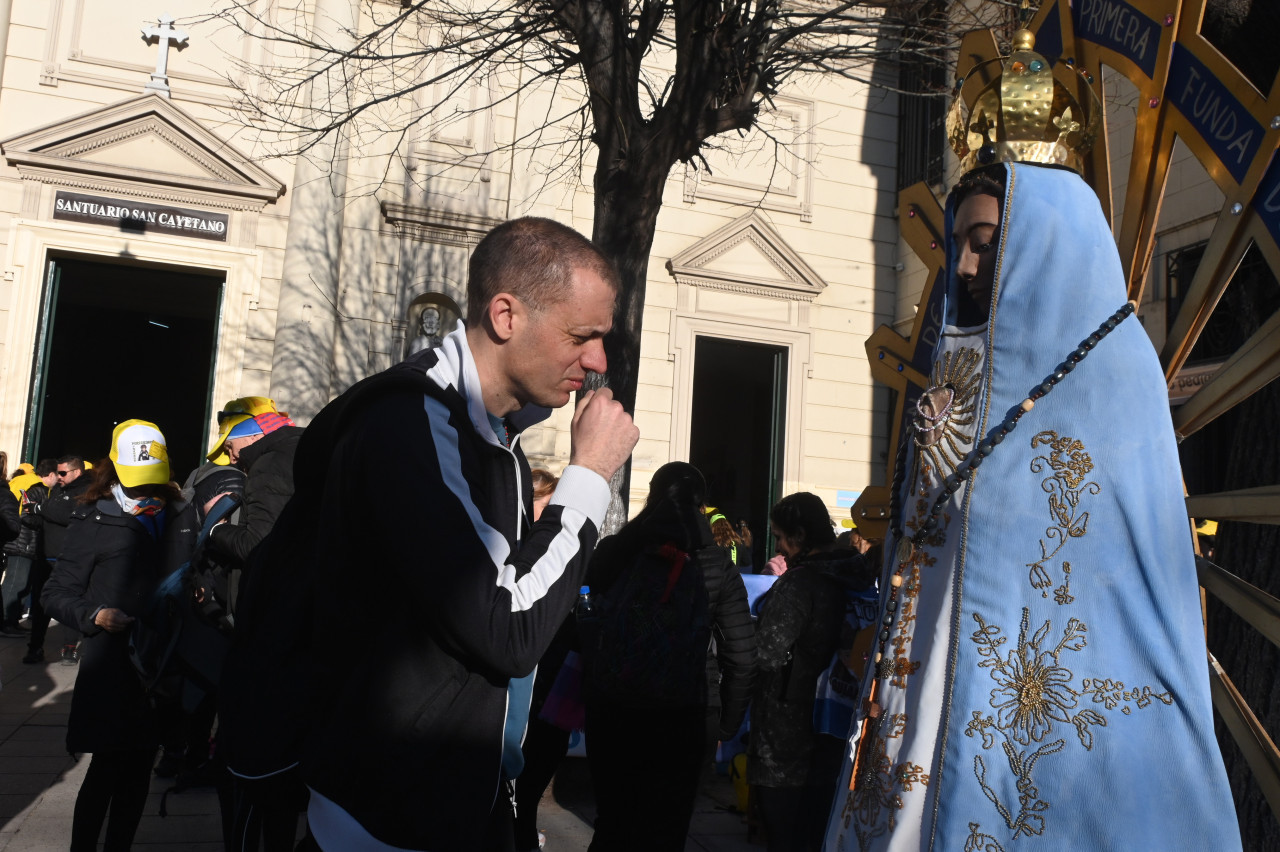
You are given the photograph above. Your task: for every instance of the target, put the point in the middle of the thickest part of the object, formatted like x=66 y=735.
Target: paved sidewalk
x=39 y=781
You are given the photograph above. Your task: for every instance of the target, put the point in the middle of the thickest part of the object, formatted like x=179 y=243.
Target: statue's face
x=977 y=224
x=430 y=321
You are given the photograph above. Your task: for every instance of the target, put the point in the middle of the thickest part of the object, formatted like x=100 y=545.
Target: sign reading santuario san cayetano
x=140 y=217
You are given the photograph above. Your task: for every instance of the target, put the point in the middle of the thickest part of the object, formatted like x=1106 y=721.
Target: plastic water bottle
x=586 y=608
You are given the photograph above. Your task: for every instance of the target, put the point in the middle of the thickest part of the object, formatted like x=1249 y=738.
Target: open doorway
x=117 y=342
x=737 y=430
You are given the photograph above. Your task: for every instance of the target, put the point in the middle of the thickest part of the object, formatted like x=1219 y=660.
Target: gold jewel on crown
x=1025 y=114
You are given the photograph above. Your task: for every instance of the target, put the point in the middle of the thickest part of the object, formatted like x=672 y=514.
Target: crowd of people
x=403 y=657
x=285 y=715
x=92 y=550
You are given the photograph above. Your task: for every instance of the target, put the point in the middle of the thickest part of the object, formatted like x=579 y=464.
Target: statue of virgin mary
x=1041 y=679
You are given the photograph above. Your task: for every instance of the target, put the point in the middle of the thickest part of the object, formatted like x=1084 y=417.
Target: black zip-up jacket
x=56 y=510
x=415 y=619
x=29 y=542
x=268 y=464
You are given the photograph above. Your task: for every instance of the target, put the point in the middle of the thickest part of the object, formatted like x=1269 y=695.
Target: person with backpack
x=206 y=610
x=131 y=530
x=661 y=591
x=792 y=767
x=262 y=441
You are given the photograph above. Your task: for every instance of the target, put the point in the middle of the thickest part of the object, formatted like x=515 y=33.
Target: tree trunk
x=628 y=197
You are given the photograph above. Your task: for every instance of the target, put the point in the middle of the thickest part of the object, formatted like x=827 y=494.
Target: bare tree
x=659 y=81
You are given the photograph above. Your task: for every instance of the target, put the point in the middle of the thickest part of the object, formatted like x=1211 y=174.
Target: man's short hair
x=534 y=260
x=44 y=467
x=73 y=462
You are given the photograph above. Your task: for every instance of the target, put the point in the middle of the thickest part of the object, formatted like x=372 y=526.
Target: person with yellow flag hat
x=131 y=529
x=261 y=441
x=237 y=411
x=262 y=445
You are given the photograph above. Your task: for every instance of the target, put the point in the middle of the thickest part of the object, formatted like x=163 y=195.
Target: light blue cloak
x=1051 y=689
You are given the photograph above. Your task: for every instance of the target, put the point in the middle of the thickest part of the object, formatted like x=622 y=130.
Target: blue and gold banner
x=1266 y=202
x=1118 y=26
x=1223 y=122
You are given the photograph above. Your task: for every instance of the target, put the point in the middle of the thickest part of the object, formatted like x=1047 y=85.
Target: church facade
x=159 y=260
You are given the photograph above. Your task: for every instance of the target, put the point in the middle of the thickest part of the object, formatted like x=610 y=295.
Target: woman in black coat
x=792 y=768
x=131 y=531
x=647 y=753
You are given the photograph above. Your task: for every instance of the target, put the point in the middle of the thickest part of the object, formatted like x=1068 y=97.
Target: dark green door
x=737 y=432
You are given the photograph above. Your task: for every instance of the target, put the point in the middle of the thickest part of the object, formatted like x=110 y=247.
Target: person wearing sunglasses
x=53 y=515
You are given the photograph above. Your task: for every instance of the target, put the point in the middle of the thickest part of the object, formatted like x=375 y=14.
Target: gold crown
x=1025 y=114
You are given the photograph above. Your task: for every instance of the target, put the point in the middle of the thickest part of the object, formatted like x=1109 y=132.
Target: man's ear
x=503 y=315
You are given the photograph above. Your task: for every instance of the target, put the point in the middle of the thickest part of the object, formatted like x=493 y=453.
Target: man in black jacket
x=53 y=515
x=460 y=591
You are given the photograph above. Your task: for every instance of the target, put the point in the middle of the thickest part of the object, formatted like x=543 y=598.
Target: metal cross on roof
x=164 y=34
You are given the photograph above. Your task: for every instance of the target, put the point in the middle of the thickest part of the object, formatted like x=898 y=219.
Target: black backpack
x=647 y=644
x=175 y=652
x=270 y=688
x=213 y=579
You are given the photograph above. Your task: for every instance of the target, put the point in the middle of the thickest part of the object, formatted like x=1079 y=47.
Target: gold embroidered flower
x=880 y=784
x=1068 y=458
x=1033 y=693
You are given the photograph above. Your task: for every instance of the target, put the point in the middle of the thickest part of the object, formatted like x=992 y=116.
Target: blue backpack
x=647 y=647
x=840 y=682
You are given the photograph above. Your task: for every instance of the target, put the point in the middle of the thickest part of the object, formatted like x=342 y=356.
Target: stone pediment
x=144 y=141
x=747 y=256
